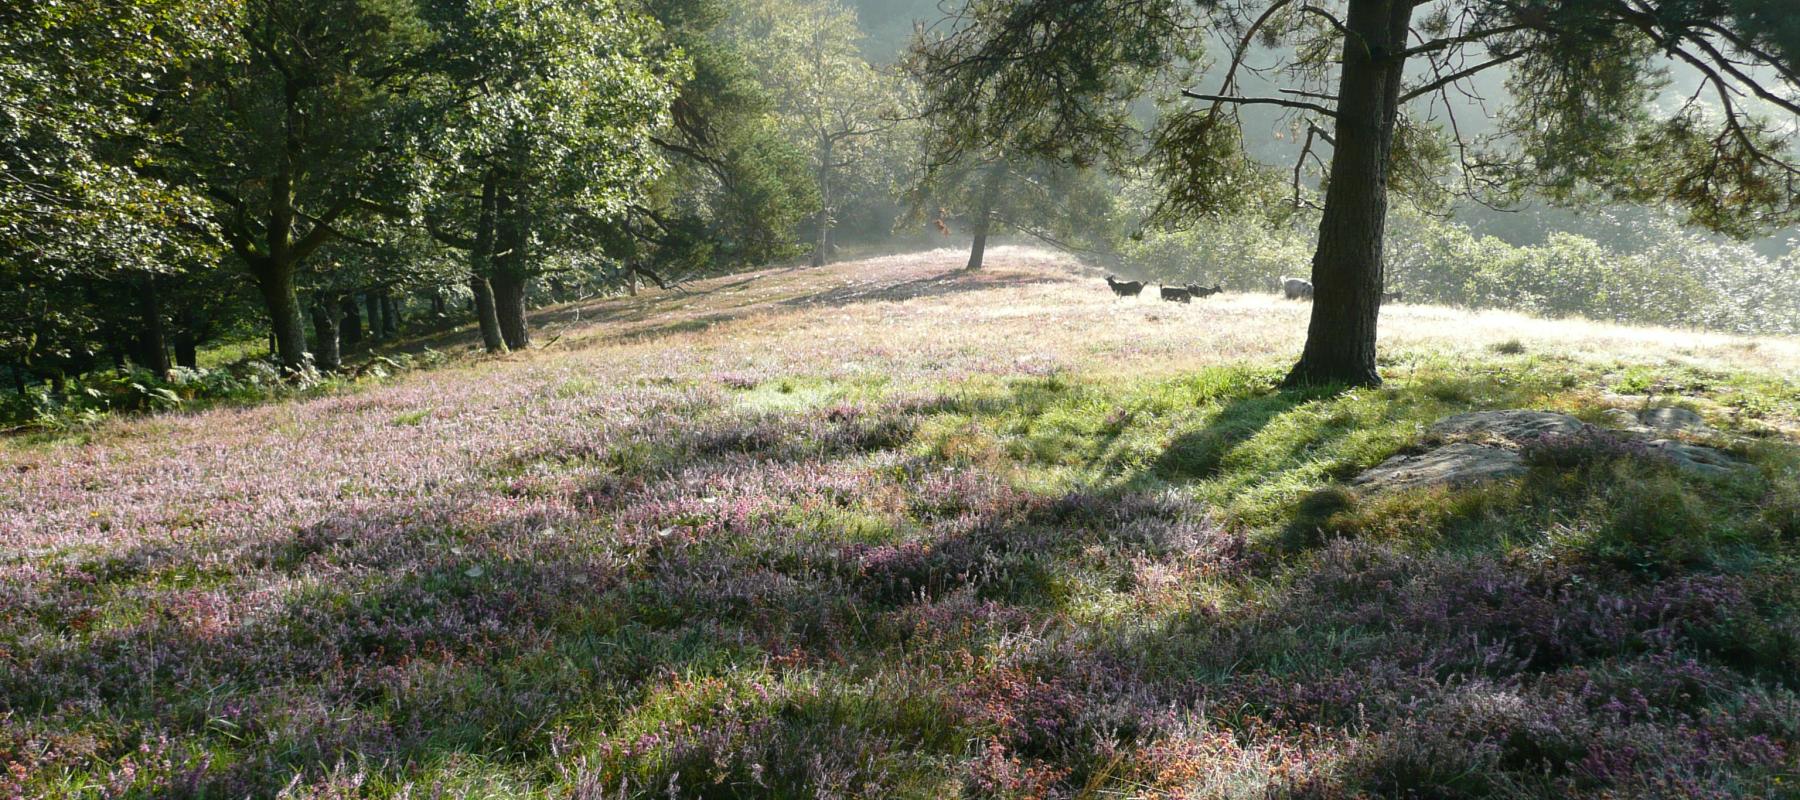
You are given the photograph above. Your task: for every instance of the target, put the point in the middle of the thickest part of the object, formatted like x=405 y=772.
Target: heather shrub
x=1780 y=514
x=1761 y=636
x=1588 y=447
x=616 y=573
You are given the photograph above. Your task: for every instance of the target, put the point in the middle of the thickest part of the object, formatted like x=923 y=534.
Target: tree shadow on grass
x=641 y=318
x=1200 y=454
x=790 y=603
x=942 y=285
x=398 y=643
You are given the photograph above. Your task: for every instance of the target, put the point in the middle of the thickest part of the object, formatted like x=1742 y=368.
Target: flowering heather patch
x=1588 y=446
x=860 y=536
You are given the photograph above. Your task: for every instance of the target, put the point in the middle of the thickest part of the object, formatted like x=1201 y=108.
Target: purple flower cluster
x=657 y=588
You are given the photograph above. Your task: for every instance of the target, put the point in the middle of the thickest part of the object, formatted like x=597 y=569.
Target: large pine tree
x=1585 y=117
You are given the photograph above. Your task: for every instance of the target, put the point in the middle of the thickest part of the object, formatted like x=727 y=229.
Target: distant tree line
x=179 y=173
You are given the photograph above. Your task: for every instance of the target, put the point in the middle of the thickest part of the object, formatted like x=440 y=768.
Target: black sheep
x=1124 y=288
x=1175 y=294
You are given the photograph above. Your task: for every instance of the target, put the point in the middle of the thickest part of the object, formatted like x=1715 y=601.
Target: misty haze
x=879 y=399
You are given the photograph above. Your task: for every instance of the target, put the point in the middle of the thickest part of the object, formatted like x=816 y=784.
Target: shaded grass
x=1036 y=582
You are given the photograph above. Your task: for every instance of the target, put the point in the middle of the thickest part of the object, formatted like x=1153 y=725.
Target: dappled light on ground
x=886 y=529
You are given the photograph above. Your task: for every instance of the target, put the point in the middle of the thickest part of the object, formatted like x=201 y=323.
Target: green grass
x=992 y=585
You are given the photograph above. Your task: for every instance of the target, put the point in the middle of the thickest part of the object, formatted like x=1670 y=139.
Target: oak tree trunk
x=372 y=307
x=390 y=315
x=509 y=306
x=511 y=272
x=822 y=246
x=486 y=315
x=350 y=329
x=153 y=341
x=187 y=340
x=278 y=263
x=481 y=263
x=1347 y=266
x=286 y=327
x=326 y=311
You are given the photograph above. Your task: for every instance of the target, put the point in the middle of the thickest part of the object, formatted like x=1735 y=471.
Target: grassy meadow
x=892 y=530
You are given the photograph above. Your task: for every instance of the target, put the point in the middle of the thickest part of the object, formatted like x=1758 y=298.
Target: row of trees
x=163 y=161
x=176 y=171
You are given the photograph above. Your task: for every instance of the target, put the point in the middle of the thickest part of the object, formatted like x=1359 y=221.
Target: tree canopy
x=174 y=172
x=1585 y=118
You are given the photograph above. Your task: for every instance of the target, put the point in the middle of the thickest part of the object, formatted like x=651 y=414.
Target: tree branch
x=1264 y=101
x=1446 y=80
x=321 y=231
x=1465 y=38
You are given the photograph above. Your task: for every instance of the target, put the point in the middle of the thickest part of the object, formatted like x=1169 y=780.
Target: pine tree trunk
x=984 y=215
x=1347 y=267
x=287 y=329
x=326 y=311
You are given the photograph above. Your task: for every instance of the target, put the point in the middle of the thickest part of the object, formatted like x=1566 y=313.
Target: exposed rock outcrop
x=1486 y=445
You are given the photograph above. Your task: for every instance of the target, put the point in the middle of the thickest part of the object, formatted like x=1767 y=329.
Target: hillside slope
x=887 y=529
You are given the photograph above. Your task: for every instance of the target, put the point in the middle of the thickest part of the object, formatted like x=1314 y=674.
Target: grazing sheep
x=1296 y=288
x=1202 y=292
x=1175 y=294
x=1390 y=297
x=1124 y=288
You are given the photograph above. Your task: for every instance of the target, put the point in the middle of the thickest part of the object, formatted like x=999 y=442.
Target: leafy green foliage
x=554 y=104
x=738 y=189
x=1653 y=272
x=87 y=205
x=1038 y=91
x=1048 y=80
x=80 y=189
x=832 y=103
